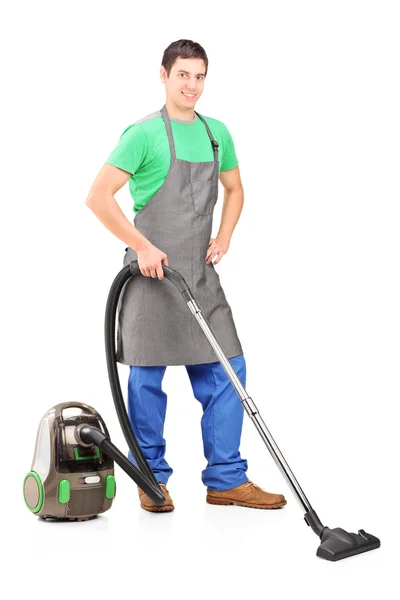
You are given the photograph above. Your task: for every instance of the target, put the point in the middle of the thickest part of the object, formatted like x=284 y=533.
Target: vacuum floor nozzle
x=338 y=543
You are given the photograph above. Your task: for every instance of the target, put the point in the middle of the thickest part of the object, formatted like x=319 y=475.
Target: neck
x=178 y=112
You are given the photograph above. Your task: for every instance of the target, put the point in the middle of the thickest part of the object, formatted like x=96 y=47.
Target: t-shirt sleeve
x=229 y=158
x=130 y=151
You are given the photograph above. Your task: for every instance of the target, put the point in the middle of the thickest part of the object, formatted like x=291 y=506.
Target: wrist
x=224 y=237
x=145 y=245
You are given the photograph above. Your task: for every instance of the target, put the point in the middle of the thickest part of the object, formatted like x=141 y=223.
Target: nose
x=191 y=85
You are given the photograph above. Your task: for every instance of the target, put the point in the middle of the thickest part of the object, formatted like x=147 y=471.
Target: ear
x=163 y=74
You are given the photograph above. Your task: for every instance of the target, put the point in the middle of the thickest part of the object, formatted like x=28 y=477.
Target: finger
x=215 y=256
x=210 y=250
x=153 y=273
x=165 y=261
x=212 y=256
x=160 y=272
x=221 y=254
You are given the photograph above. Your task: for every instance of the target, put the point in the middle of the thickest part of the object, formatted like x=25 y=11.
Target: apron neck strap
x=214 y=142
x=167 y=122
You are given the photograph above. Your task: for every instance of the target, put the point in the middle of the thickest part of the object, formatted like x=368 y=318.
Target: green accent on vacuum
x=64 y=491
x=110 y=486
x=40 y=490
x=90 y=457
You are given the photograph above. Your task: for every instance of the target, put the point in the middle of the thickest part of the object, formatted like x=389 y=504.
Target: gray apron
x=155 y=326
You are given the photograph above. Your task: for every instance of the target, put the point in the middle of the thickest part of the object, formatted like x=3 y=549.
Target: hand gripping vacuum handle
x=171 y=274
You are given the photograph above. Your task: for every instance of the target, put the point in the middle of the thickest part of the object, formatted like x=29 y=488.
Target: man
x=173 y=159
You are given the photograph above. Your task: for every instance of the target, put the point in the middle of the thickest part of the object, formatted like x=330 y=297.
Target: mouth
x=187 y=95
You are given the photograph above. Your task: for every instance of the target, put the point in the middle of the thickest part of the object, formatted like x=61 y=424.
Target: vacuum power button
x=92 y=479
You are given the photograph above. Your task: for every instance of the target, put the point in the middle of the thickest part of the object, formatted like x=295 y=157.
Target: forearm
x=231 y=210
x=107 y=210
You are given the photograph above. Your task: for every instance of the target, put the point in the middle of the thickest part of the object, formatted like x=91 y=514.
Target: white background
x=310 y=94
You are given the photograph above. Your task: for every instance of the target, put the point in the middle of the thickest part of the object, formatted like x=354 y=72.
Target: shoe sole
x=159 y=508
x=227 y=501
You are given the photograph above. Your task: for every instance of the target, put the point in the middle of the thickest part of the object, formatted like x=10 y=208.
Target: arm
x=232 y=207
x=102 y=203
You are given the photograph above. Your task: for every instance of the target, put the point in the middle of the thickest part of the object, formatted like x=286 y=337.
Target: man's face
x=185 y=83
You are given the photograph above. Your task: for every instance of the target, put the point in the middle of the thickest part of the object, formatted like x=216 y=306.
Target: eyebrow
x=187 y=72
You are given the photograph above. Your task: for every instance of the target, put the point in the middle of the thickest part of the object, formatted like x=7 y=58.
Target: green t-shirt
x=143 y=150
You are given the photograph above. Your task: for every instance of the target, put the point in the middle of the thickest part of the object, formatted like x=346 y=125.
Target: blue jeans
x=221 y=423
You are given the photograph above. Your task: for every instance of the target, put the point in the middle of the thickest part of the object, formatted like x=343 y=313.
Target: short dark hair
x=182 y=49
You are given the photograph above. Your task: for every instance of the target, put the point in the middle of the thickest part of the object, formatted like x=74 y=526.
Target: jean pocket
x=204 y=196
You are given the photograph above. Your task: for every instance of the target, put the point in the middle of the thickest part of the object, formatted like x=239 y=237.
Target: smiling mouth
x=188 y=95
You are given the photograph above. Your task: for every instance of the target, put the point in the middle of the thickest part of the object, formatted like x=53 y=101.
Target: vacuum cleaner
x=335 y=543
x=72 y=471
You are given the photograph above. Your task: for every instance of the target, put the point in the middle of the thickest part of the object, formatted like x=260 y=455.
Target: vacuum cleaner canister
x=70 y=478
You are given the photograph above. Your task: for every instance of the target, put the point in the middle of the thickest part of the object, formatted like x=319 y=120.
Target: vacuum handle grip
x=174 y=276
x=72 y=404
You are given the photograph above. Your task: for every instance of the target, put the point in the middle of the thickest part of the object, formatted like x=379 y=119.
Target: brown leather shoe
x=149 y=505
x=248 y=494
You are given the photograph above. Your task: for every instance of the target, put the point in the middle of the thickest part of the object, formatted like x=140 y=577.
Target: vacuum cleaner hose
x=122 y=277
x=153 y=487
